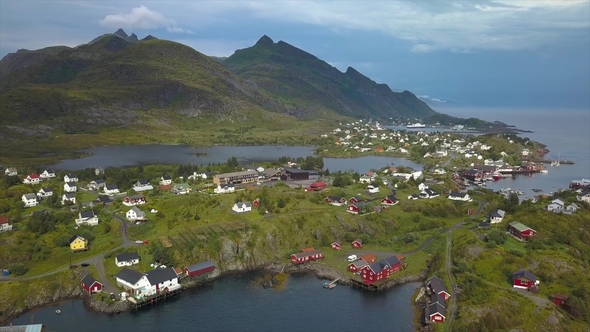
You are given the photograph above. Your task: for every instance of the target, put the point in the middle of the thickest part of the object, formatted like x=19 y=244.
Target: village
x=150 y=209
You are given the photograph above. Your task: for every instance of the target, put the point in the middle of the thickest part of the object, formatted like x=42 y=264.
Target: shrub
x=18 y=269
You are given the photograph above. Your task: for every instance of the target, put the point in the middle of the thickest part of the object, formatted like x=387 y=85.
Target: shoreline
x=320 y=271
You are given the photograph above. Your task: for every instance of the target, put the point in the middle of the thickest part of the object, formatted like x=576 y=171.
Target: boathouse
x=307 y=256
x=381 y=269
x=436 y=286
x=199 y=268
x=91 y=285
x=436 y=313
x=355 y=267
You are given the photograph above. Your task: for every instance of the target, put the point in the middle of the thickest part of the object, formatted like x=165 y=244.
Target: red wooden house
x=559 y=299
x=520 y=231
x=307 y=256
x=91 y=285
x=436 y=286
x=357 y=208
x=389 y=200
x=355 y=267
x=336 y=246
x=199 y=268
x=436 y=313
x=134 y=200
x=369 y=258
x=256 y=202
x=524 y=279
x=381 y=269
x=308 y=249
x=358 y=243
x=355 y=199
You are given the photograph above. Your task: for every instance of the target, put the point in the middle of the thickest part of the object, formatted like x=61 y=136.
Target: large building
x=300 y=174
x=236 y=177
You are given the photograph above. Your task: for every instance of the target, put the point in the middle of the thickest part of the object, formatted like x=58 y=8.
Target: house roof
x=437 y=285
x=47 y=189
x=73 y=238
x=200 y=266
x=497 y=213
x=270 y=171
x=360 y=263
x=227 y=185
x=436 y=308
x=391 y=198
x=484 y=224
x=88 y=280
x=3 y=220
x=243 y=204
x=457 y=194
x=127 y=256
x=559 y=296
x=87 y=214
x=357 y=198
x=369 y=257
x=159 y=275
x=49 y=170
x=71 y=184
x=558 y=201
x=242 y=173
x=437 y=298
x=379 y=266
x=30 y=196
x=296 y=171
x=166 y=177
x=358 y=240
x=34 y=176
x=524 y=274
x=104 y=199
x=143 y=181
x=111 y=186
x=99 y=181
x=70 y=195
x=308 y=253
x=430 y=191
x=130 y=276
x=136 y=210
x=136 y=197
x=519 y=226
x=334 y=198
x=71 y=175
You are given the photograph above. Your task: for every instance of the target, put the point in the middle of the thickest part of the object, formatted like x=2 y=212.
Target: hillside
x=305 y=84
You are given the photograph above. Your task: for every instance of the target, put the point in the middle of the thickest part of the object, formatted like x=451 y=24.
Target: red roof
x=34 y=176
x=3 y=220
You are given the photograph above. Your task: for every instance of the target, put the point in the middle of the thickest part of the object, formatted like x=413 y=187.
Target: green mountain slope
x=306 y=84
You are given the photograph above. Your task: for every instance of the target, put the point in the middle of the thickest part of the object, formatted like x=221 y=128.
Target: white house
x=10 y=171
x=47 y=174
x=557 y=205
x=497 y=216
x=456 y=196
x=224 y=189
x=32 y=179
x=30 y=200
x=5 y=225
x=142 y=185
x=165 y=180
x=366 y=179
x=70 y=178
x=373 y=188
x=111 y=189
x=241 y=207
x=127 y=259
x=68 y=197
x=96 y=184
x=422 y=187
x=135 y=283
x=428 y=193
x=70 y=187
x=584 y=198
x=87 y=217
x=149 y=283
x=135 y=214
x=45 y=192
x=572 y=207
x=196 y=176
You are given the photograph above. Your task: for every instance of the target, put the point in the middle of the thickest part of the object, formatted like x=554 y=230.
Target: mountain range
x=115 y=74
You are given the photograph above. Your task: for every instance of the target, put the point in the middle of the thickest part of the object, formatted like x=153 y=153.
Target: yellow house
x=78 y=243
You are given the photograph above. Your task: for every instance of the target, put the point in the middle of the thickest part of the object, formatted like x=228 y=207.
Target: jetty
x=153 y=299
x=561 y=162
x=332 y=284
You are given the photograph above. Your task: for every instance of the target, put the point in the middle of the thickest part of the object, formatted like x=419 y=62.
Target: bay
x=237 y=303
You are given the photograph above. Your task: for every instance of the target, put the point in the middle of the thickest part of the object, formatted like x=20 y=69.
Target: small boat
x=57 y=311
x=329 y=285
x=544 y=171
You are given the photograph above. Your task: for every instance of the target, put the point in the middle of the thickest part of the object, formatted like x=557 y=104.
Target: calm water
x=565 y=132
x=234 y=303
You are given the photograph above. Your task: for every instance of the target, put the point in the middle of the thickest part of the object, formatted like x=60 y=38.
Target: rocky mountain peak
x=265 y=41
x=133 y=38
x=121 y=33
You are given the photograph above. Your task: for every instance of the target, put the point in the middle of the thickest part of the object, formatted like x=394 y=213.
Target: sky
x=489 y=53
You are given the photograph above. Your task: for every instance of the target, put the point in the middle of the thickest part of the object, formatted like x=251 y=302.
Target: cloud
x=142 y=18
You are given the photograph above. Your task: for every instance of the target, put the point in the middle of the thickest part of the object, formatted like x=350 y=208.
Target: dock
x=153 y=299
x=332 y=284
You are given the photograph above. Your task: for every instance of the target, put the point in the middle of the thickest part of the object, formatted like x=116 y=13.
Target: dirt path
x=454 y=303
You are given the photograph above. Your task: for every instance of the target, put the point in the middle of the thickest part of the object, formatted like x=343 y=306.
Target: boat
x=57 y=311
x=544 y=171
x=555 y=163
x=416 y=125
x=497 y=176
x=329 y=285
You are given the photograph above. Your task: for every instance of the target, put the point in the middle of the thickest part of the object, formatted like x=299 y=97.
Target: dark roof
x=75 y=237
x=87 y=214
x=430 y=191
x=166 y=177
x=497 y=214
x=436 y=308
x=200 y=266
x=136 y=197
x=456 y=194
x=127 y=256
x=374 y=184
x=39 y=213
x=130 y=276
x=50 y=170
x=296 y=170
x=472 y=171
x=71 y=175
x=334 y=198
x=524 y=274
x=360 y=263
x=159 y=275
x=71 y=184
x=437 y=285
x=437 y=298
x=391 y=198
x=143 y=181
x=111 y=187
x=47 y=189
x=99 y=181
x=271 y=171
x=484 y=224
x=88 y=280
x=379 y=266
x=357 y=198
x=104 y=198
x=227 y=185
x=308 y=253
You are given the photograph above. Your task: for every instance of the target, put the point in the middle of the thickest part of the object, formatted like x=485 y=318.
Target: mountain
x=115 y=76
x=307 y=84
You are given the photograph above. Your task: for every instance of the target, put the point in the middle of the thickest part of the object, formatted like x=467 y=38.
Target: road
x=454 y=301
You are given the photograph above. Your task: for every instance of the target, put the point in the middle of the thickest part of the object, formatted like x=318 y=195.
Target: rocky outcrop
x=113 y=307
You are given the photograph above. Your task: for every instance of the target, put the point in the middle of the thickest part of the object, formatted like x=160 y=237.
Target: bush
x=281 y=203
x=496 y=235
x=18 y=269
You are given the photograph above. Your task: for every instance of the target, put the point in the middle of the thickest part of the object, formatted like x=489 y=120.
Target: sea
x=234 y=303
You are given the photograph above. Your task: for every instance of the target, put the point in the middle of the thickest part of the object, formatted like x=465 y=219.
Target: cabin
x=389 y=200
x=5 y=225
x=32 y=179
x=70 y=178
x=435 y=285
x=373 y=188
x=241 y=207
x=30 y=200
x=87 y=218
x=199 y=268
x=355 y=199
x=381 y=269
x=335 y=200
x=70 y=187
x=134 y=200
x=142 y=185
x=520 y=232
x=436 y=313
x=358 y=208
x=335 y=246
x=557 y=205
x=358 y=243
x=524 y=279
x=559 y=299
x=497 y=216
x=104 y=199
x=68 y=198
x=428 y=193
x=307 y=256
x=91 y=285
x=47 y=174
x=78 y=243
x=457 y=196
x=127 y=259
x=357 y=266
x=135 y=214
x=256 y=202
x=45 y=192
x=166 y=180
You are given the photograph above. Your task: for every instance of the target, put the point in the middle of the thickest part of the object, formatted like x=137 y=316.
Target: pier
x=332 y=284
x=153 y=299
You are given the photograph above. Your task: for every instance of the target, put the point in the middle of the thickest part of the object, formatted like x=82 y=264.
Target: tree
x=18 y=269
x=281 y=203
x=196 y=217
x=162 y=256
x=409 y=238
x=496 y=235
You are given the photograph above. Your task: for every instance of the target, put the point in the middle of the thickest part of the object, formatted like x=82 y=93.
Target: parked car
x=352 y=258
x=74 y=266
x=85 y=264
